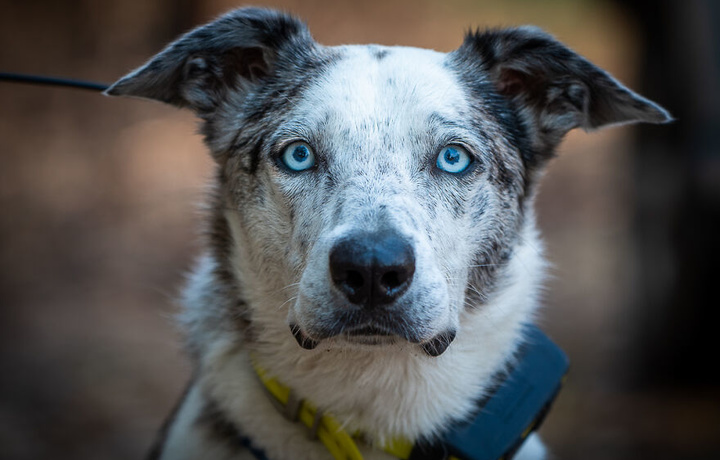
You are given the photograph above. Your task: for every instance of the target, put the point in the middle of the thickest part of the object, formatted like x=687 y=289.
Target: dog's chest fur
x=371 y=237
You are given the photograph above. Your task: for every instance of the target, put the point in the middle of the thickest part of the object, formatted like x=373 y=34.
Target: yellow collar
x=322 y=426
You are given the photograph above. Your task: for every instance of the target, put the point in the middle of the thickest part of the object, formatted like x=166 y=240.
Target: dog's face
x=376 y=193
x=387 y=183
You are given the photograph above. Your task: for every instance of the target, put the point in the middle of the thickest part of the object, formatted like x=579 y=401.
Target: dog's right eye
x=298 y=156
x=453 y=159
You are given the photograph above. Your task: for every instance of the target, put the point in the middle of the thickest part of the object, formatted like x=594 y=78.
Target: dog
x=371 y=239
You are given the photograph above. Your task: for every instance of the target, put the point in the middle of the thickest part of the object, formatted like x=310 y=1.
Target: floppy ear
x=235 y=51
x=553 y=88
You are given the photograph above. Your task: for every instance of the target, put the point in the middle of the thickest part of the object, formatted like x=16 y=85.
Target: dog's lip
x=368 y=330
x=303 y=339
x=374 y=335
x=368 y=335
x=439 y=344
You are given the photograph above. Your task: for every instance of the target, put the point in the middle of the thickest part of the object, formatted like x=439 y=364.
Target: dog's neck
x=519 y=400
x=396 y=390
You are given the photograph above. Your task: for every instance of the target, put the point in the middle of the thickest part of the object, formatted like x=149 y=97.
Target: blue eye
x=298 y=156
x=453 y=159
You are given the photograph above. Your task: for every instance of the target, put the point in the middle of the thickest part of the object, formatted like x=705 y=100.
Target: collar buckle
x=313 y=429
x=291 y=410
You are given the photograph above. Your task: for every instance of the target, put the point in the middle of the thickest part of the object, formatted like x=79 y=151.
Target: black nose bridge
x=372 y=268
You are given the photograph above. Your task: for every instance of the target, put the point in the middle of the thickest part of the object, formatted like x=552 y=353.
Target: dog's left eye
x=453 y=159
x=298 y=156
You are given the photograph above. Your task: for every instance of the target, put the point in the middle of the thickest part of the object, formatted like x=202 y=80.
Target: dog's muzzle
x=371 y=271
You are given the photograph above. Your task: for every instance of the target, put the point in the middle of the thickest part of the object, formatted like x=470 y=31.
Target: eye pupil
x=452 y=156
x=300 y=153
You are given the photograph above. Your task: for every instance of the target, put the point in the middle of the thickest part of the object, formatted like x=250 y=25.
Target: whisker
x=475 y=290
x=291 y=299
x=290 y=286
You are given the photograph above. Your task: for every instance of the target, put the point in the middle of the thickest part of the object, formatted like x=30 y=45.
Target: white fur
x=386 y=390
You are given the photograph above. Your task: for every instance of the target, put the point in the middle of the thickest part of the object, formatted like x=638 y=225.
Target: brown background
x=99 y=200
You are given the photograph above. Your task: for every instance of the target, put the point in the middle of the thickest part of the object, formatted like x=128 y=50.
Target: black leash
x=52 y=81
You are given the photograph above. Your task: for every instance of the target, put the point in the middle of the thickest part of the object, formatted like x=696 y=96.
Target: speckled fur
x=376 y=118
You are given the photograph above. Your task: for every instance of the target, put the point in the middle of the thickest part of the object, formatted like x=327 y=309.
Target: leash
x=52 y=81
x=501 y=423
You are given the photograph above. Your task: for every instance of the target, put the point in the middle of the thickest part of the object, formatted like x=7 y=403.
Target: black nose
x=372 y=268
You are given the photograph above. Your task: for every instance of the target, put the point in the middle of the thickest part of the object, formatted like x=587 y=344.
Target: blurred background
x=99 y=222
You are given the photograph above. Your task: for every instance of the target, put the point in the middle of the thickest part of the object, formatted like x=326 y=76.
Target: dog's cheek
x=263 y=229
x=293 y=218
x=458 y=235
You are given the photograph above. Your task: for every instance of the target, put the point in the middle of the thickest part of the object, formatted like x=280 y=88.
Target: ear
x=235 y=51
x=553 y=88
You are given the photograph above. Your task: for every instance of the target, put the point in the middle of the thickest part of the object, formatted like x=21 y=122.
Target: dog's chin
x=372 y=336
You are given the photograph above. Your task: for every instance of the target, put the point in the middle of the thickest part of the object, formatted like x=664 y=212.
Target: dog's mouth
x=370 y=335
x=368 y=331
x=375 y=335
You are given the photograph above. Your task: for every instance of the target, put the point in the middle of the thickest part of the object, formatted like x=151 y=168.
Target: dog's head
x=369 y=195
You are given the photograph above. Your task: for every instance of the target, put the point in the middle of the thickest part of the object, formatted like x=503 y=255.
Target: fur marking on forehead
x=405 y=83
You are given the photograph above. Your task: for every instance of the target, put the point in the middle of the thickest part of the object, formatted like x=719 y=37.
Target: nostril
x=391 y=280
x=392 y=283
x=350 y=270
x=354 y=279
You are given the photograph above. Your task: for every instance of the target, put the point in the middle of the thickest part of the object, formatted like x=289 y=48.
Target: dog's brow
x=448 y=131
x=436 y=119
x=294 y=129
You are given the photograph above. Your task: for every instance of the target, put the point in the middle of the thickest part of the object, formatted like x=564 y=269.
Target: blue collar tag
x=512 y=412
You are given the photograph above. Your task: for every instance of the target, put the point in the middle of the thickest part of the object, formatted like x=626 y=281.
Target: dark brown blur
x=100 y=221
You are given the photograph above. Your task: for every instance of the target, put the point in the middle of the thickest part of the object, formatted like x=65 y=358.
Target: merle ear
x=234 y=51
x=555 y=87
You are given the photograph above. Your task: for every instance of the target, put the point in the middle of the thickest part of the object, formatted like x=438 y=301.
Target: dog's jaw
x=382 y=390
x=433 y=347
